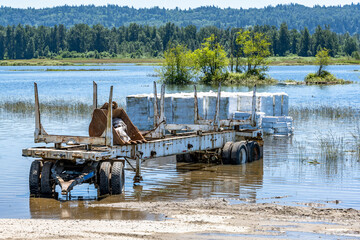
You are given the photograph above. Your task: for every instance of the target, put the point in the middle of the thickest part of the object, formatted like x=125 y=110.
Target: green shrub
x=324 y=78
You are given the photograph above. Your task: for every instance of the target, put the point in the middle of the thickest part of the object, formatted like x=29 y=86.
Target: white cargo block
x=266 y=103
x=280 y=125
x=277 y=104
x=285 y=105
x=209 y=107
x=138 y=110
x=269 y=119
x=268 y=130
x=281 y=130
x=183 y=110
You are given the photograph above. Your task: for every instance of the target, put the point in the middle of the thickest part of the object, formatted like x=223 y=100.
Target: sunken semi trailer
x=100 y=157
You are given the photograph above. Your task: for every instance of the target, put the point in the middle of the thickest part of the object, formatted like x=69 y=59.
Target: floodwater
x=294 y=170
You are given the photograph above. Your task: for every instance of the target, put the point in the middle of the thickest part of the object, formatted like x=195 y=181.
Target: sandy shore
x=197 y=219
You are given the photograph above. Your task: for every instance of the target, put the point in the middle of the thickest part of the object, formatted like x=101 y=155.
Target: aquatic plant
x=331 y=146
x=304 y=112
x=356 y=136
x=56 y=107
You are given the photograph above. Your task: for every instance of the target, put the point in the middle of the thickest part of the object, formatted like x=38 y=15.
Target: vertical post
x=108 y=133
x=37 y=114
x=196 y=106
x=94 y=95
x=138 y=177
x=156 y=114
x=253 y=109
x=217 y=110
x=162 y=103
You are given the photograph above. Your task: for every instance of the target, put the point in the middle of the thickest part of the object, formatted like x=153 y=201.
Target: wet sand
x=197 y=219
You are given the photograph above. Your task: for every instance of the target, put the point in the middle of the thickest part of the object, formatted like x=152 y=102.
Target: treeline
x=136 y=41
x=341 y=19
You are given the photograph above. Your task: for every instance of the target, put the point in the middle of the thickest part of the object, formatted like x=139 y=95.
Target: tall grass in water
x=55 y=107
x=356 y=136
x=331 y=147
x=330 y=112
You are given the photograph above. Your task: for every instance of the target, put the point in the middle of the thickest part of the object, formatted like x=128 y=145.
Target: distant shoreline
x=273 y=61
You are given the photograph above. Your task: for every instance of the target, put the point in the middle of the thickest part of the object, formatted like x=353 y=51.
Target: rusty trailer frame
x=203 y=135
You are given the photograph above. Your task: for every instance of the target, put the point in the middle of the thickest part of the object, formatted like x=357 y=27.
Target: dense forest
x=340 y=19
x=136 y=41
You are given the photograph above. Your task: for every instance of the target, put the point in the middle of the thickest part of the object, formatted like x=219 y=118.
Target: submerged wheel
x=254 y=151
x=34 y=178
x=239 y=153
x=104 y=178
x=47 y=183
x=117 y=178
x=226 y=153
x=186 y=157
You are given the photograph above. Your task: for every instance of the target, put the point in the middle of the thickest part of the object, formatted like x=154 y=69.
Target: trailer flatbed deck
x=77 y=159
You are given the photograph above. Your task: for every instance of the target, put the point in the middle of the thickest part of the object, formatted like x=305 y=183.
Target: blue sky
x=183 y=4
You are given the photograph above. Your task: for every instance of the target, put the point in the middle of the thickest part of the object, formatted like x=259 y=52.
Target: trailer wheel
x=47 y=184
x=34 y=178
x=117 y=178
x=104 y=179
x=226 y=153
x=254 y=151
x=239 y=153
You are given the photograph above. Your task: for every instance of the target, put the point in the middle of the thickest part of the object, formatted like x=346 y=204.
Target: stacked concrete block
x=277 y=125
x=137 y=107
x=209 y=107
x=183 y=110
x=245 y=116
x=179 y=109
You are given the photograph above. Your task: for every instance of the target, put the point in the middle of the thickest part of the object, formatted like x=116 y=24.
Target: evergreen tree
x=305 y=43
x=284 y=40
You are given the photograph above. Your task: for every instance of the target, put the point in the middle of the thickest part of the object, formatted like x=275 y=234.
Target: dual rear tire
x=111 y=178
x=240 y=152
x=40 y=179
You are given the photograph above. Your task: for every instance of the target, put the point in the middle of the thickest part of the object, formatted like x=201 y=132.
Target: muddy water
x=292 y=172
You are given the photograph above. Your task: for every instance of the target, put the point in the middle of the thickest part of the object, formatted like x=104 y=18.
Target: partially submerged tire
x=104 y=178
x=47 y=183
x=117 y=178
x=34 y=178
x=186 y=157
x=226 y=153
x=254 y=151
x=239 y=153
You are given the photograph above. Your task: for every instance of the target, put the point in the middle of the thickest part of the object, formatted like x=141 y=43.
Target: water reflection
x=54 y=209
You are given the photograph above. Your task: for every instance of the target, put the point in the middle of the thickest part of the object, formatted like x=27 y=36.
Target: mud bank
x=197 y=219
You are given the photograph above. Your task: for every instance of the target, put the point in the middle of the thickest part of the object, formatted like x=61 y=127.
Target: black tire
x=254 y=151
x=46 y=182
x=104 y=178
x=34 y=178
x=186 y=157
x=239 y=153
x=226 y=153
x=117 y=178
x=180 y=158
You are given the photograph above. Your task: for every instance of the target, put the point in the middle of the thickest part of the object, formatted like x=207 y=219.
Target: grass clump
x=247 y=79
x=324 y=78
x=331 y=146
